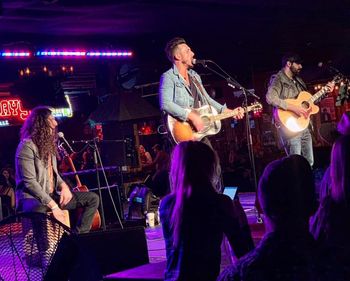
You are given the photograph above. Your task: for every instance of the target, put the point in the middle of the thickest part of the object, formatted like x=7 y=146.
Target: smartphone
x=231 y=191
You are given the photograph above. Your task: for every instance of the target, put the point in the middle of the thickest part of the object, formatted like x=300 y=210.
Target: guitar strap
x=199 y=86
x=194 y=93
x=300 y=83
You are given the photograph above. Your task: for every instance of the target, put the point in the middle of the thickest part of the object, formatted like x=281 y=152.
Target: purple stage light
x=15 y=54
x=60 y=53
x=109 y=54
x=52 y=53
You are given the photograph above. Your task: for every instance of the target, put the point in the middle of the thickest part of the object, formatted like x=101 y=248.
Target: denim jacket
x=281 y=87
x=32 y=174
x=175 y=97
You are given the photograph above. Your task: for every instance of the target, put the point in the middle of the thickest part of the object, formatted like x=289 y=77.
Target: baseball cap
x=291 y=57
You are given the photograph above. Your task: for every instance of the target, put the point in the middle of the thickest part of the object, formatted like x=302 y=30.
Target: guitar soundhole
x=305 y=104
x=206 y=120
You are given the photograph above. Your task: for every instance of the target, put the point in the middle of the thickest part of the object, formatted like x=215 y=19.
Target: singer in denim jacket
x=181 y=88
x=175 y=95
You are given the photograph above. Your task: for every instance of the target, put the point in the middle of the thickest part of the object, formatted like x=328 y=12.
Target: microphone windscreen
x=60 y=135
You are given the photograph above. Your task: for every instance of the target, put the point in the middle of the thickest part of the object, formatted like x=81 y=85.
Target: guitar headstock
x=255 y=107
x=337 y=79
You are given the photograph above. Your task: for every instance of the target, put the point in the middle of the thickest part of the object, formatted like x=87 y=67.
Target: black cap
x=291 y=57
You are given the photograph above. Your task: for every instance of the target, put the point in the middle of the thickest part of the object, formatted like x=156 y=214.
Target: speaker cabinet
x=90 y=256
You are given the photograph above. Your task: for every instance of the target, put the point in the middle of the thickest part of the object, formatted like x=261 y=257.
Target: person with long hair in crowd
x=40 y=188
x=195 y=216
x=8 y=186
x=330 y=225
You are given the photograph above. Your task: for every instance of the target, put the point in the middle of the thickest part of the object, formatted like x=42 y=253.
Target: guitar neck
x=319 y=94
x=226 y=115
x=72 y=166
x=323 y=91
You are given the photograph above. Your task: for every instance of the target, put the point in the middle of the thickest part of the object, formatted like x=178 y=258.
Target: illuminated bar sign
x=12 y=112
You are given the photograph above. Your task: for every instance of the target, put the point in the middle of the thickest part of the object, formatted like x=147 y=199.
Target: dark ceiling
x=243 y=36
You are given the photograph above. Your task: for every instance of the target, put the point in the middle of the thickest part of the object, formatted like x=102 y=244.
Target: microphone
x=61 y=136
x=328 y=66
x=202 y=62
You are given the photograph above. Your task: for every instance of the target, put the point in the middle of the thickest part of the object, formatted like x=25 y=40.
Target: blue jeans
x=300 y=144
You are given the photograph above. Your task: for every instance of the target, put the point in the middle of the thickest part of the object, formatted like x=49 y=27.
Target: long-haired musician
x=40 y=188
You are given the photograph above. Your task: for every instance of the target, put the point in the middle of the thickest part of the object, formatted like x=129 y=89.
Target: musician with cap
x=287 y=84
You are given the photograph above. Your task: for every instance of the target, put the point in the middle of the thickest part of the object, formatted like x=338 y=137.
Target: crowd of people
x=305 y=238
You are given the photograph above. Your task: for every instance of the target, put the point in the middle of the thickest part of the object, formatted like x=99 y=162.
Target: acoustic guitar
x=184 y=131
x=96 y=222
x=290 y=122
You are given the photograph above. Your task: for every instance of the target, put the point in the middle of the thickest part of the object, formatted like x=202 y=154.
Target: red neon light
x=13 y=108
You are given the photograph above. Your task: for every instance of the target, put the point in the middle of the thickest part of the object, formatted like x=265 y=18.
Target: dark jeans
x=88 y=201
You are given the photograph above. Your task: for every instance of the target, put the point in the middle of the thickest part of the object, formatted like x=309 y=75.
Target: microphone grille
x=194 y=61
x=60 y=134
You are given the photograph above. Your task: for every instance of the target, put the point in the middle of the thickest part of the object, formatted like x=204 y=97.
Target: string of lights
x=65 y=53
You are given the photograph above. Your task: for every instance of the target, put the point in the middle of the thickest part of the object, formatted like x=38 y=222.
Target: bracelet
x=54 y=207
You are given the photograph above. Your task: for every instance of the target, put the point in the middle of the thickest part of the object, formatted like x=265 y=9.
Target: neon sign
x=63 y=112
x=12 y=112
x=12 y=108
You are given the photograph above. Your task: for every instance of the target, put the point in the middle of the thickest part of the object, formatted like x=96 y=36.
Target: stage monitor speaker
x=92 y=255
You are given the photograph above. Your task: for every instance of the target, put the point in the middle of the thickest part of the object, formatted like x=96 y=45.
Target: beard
x=294 y=70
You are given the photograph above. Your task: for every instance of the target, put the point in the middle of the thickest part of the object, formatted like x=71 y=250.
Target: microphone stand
x=231 y=82
x=95 y=148
x=97 y=160
x=108 y=186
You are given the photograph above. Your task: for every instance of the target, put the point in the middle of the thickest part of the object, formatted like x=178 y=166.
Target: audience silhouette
x=287 y=251
x=330 y=225
x=194 y=216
